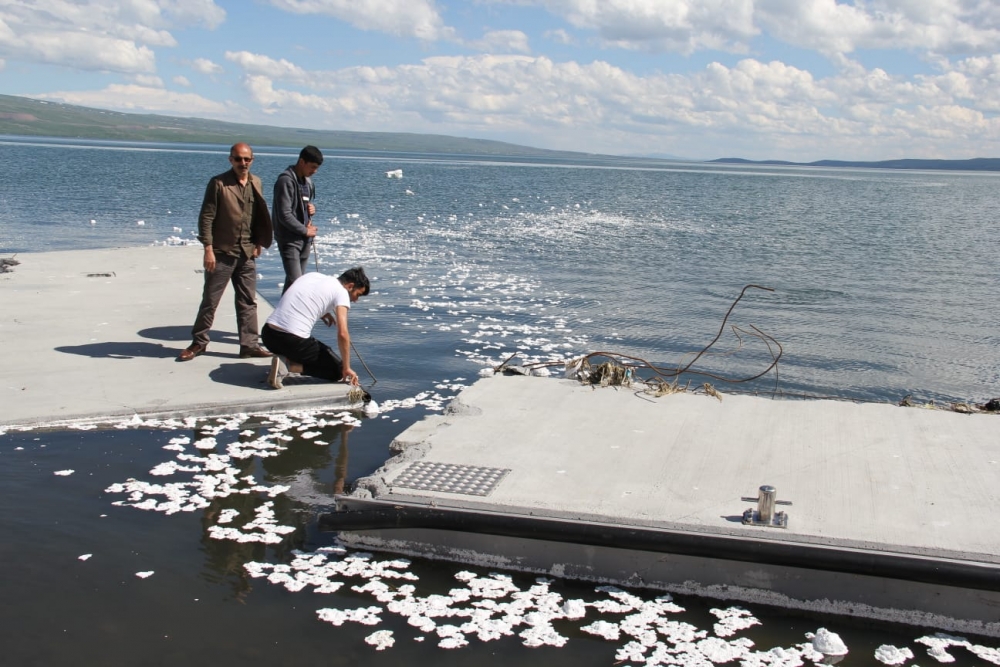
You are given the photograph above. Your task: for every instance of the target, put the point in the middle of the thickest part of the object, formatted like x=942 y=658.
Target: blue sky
x=786 y=79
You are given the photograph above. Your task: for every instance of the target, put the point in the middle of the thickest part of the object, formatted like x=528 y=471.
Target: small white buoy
x=93 y=222
x=395 y=173
x=140 y=222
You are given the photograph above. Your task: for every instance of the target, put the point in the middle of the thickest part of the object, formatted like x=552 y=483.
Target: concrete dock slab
x=90 y=335
x=910 y=486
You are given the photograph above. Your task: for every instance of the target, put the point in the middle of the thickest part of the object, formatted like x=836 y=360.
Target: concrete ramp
x=893 y=510
x=93 y=334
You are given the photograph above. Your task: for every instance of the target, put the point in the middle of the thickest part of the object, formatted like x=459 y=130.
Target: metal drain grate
x=450 y=478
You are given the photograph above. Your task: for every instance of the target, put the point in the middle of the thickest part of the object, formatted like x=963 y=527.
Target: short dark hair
x=311 y=154
x=356 y=276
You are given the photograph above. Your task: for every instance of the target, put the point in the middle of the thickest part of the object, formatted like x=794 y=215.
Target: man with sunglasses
x=234 y=224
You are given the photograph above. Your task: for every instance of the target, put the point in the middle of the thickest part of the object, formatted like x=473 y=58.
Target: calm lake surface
x=884 y=283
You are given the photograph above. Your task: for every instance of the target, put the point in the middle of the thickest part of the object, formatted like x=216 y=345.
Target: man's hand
x=312 y=209
x=311 y=230
x=328 y=319
x=350 y=377
x=257 y=250
x=209 y=261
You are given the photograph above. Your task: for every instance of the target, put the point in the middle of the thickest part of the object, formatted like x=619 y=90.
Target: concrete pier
x=91 y=335
x=893 y=510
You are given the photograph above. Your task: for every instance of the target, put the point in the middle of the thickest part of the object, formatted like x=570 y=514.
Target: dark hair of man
x=356 y=276
x=311 y=154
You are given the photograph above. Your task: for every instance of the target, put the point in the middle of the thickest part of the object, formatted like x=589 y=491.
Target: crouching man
x=288 y=331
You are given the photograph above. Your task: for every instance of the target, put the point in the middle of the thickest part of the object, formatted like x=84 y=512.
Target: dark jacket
x=222 y=210
x=288 y=208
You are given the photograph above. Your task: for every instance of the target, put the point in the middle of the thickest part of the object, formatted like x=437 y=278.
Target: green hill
x=27 y=117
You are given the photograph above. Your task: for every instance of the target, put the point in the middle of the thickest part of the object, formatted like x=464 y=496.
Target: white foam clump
x=395 y=173
x=890 y=655
x=827 y=643
x=381 y=640
x=732 y=620
x=63 y=473
x=364 y=615
x=84 y=557
x=938 y=645
x=144 y=575
x=264 y=528
x=371 y=409
x=603 y=629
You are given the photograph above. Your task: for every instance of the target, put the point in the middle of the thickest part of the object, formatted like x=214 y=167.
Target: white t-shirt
x=309 y=298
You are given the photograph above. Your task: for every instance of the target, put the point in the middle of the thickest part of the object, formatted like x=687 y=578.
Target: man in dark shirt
x=234 y=224
x=293 y=209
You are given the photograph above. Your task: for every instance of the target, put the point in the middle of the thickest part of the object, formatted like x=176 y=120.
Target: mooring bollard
x=766 y=496
x=765 y=514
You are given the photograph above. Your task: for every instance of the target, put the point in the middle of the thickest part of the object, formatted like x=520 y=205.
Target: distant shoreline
x=24 y=117
x=973 y=164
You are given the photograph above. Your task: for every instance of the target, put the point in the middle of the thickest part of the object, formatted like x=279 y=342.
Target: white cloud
x=559 y=36
x=147 y=80
x=501 y=41
x=405 y=18
x=256 y=64
x=935 y=26
x=181 y=80
x=951 y=27
x=81 y=51
x=131 y=97
x=195 y=12
x=206 y=66
x=755 y=108
x=681 y=26
x=103 y=35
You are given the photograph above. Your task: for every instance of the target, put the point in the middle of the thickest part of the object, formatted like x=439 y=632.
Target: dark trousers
x=316 y=357
x=242 y=272
x=294 y=257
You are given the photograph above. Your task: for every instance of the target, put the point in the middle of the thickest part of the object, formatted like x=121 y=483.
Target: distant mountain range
x=974 y=164
x=28 y=117
x=24 y=116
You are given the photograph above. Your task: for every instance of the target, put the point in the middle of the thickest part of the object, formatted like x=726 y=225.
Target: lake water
x=883 y=287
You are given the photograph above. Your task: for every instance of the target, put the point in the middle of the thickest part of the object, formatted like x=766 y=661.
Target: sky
x=797 y=80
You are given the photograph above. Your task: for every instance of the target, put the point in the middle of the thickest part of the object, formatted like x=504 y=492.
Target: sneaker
x=277 y=372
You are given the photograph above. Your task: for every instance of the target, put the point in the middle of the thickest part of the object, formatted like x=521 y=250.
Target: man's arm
x=344 y=345
x=206 y=219
x=285 y=204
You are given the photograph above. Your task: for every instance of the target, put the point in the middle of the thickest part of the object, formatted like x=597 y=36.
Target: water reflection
x=301 y=465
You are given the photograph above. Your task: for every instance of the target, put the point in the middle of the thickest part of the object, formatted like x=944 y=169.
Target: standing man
x=233 y=225
x=288 y=331
x=293 y=210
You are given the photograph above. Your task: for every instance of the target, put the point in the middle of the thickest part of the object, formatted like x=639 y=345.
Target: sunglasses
x=236 y=158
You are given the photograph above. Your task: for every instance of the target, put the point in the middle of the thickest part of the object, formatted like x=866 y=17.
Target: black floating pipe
x=888 y=565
